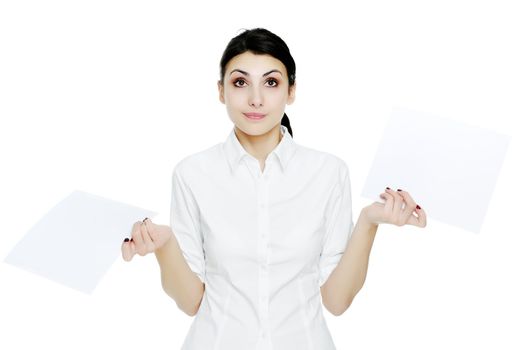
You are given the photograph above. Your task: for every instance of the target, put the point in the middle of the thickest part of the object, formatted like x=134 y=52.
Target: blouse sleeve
x=184 y=222
x=339 y=226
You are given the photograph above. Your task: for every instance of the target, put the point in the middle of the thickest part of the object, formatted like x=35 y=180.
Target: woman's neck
x=259 y=146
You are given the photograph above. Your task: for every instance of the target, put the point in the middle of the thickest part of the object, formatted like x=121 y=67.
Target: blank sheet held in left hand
x=77 y=241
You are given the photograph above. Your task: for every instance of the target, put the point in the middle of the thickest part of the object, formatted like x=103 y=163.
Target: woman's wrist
x=168 y=244
x=365 y=222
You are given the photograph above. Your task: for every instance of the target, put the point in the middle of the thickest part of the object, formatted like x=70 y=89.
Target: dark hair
x=260 y=41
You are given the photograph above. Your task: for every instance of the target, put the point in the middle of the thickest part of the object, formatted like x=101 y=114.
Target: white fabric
x=263 y=243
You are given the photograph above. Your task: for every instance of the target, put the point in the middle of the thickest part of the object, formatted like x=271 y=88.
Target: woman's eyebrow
x=245 y=73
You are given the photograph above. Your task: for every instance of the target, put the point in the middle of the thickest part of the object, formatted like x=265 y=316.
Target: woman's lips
x=254 y=116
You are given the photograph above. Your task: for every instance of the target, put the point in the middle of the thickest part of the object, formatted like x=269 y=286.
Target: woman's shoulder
x=197 y=161
x=321 y=158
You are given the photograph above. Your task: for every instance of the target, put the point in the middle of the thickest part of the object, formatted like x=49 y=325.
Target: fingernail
x=126 y=240
x=418 y=207
x=387 y=188
x=144 y=220
x=399 y=189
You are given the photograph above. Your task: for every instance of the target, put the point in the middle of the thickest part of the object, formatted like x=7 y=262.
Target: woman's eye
x=272 y=80
x=236 y=82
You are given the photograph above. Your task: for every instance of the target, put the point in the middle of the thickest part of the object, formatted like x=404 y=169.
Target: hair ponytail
x=285 y=122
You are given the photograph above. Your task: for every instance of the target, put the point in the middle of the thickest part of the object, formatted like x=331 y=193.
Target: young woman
x=261 y=227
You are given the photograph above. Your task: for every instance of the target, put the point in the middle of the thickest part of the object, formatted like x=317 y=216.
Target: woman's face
x=255 y=84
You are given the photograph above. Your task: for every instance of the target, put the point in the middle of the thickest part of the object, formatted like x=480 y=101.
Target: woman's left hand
x=399 y=209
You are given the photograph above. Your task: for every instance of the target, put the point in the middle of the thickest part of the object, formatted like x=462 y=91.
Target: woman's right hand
x=146 y=238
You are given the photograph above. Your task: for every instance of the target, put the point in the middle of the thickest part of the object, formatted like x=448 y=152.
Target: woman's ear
x=291 y=93
x=221 y=93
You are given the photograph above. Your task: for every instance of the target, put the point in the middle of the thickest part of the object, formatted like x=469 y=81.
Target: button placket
x=263 y=220
x=263 y=212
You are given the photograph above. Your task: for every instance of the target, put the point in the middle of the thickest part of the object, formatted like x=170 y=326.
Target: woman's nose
x=255 y=98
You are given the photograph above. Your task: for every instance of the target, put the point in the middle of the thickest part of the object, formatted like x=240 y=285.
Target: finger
x=148 y=241
x=153 y=231
x=388 y=205
x=139 y=240
x=128 y=250
x=397 y=205
x=421 y=220
x=409 y=208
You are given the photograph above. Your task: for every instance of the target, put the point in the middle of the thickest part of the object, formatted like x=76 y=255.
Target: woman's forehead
x=255 y=64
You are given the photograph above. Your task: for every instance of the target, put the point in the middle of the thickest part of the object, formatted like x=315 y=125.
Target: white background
x=106 y=97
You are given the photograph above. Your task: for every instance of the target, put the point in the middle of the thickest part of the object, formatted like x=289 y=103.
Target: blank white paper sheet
x=449 y=168
x=78 y=240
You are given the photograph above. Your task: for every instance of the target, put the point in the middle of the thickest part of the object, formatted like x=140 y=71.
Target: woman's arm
x=178 y=280
x=349 y=275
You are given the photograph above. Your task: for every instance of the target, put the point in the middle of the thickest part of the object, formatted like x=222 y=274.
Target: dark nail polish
x=387 y=188
x=126 y=240
x=144 y=220
x=399 y=189
x=418 y=207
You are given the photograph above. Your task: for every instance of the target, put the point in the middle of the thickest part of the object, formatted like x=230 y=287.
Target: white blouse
x=263 y=243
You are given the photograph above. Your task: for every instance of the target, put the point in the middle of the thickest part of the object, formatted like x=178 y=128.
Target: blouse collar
x=235 y=152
